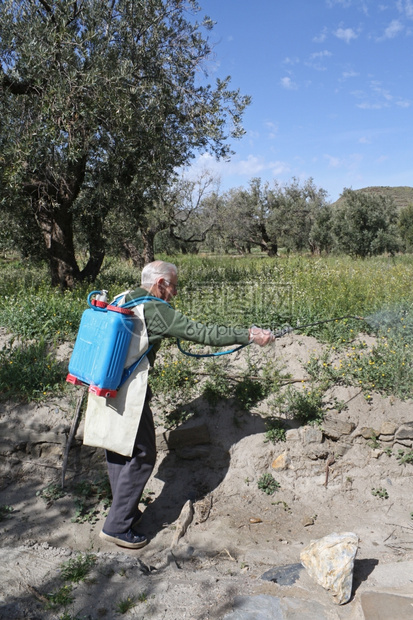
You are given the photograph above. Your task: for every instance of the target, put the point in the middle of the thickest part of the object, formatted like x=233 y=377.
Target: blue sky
x=331 y=86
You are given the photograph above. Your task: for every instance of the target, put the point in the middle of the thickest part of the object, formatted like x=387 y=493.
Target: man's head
x=160 y=279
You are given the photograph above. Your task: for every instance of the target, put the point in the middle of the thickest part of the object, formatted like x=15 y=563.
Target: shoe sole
x=122 y=543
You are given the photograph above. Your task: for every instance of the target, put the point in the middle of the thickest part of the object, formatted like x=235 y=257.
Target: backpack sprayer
x=102 y=343
x=103 y=340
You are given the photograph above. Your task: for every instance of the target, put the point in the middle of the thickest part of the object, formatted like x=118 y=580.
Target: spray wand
x=288 y=329
x=278 y=334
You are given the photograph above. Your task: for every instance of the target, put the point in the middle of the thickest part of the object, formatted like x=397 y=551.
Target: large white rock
x=330 y=562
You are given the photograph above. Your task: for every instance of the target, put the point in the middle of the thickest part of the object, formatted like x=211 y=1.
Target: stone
x=330 y=562
x=341 y=449
x=405 y=431
x=281 y=462
x=388 y=428
x=335 y=428
x=292 y=435
x=283 y=575
x=382 y=606
x=180 y=437
x=310 y=434
x=265 y=607
x=367 y=432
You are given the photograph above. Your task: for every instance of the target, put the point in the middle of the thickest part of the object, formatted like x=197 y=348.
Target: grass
x=29 y=372
x=293 y=290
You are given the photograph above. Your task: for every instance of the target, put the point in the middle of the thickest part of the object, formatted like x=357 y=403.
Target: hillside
x=402 y=196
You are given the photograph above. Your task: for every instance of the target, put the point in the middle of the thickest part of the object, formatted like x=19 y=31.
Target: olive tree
x=100 y=102
x=365 y=225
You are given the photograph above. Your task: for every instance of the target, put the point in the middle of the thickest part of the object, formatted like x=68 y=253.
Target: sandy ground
x=237 y=532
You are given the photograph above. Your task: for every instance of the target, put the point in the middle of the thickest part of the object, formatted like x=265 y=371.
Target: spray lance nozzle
x=287 y=329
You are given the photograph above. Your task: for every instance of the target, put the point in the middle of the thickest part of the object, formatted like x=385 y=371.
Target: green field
x=293 y=290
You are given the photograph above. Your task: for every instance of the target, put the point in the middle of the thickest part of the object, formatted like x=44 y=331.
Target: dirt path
x=238 y=532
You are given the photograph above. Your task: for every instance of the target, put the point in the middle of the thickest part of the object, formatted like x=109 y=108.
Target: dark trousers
x=129 y=475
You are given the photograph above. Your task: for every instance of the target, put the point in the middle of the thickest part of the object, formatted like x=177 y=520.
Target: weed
x=126 y=604
x=268 y=484
x=275 y=430
x=249 y=392
x=388 y=451
x=143 y=597
x=5 y=512
x=29 y=373
x=380 y=492
x=405 y=457
x=305 y=406
x=373 y=442
x=284 y=505
x=61 y=598
x=91 y=497
x=217 y=386
x=77 y=569
x=51 y=493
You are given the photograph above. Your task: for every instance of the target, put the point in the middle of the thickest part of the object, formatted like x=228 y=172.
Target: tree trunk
x=148 y=238
x=56 y=225
x=133 y=253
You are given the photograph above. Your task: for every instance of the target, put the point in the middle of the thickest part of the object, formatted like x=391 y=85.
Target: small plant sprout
x=380 y=492
x=268 y=484
x=126 y=605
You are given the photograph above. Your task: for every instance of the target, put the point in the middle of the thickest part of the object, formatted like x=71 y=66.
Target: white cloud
x=288 y=84
x=349 y=74
x=247 y=167
x=346 y=34
x=406 y=8
x=321 y=37
x=392 y=30
x=364 y=140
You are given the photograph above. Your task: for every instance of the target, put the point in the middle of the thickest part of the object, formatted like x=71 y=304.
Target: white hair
x=158 y=269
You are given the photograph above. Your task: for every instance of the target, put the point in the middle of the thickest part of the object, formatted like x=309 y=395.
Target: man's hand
x=262 y=337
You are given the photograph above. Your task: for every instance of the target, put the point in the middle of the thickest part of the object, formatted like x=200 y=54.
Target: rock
x=292 y=435
x=377 y=605
x=334 y=428
x=180 y=437
x=192 y=453
x=283 y=575
x=404 y=432
x=281 y=462
x=341 y=449
x=330 y=562
x=367 y=432
x=310 y=434
x=307 y=521
x=183 y=521
x=388 y=428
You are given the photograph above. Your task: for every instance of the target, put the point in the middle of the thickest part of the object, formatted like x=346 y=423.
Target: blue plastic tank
x=100 y=349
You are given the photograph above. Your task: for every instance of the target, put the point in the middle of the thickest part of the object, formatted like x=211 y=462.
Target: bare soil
x=237 y=532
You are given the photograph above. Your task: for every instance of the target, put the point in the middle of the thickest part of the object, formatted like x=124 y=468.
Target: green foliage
x=275 y=430
x=91 y=498
x=126 y=605
x=77 y=569
x=29 y=372
x=51 y=493
x=380 y=492
x=102 y=104
x=268 y=484
x=365 y=225
x=405 y=456
x=304 y=405
x=217 y=386
x=172 y=377
x=60 y=598
x=5 y=511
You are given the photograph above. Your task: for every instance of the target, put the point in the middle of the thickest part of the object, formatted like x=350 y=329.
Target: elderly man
x=128 y=474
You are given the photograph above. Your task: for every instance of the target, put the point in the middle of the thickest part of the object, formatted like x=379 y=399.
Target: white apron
x=112 y=423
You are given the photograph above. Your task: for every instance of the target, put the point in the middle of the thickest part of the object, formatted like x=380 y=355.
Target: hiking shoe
x=129 y=539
